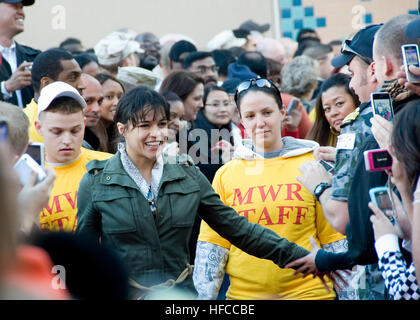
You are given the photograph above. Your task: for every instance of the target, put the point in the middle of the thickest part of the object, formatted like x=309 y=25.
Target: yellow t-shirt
x=31 y=112
x=271 y=197
x=60 y=214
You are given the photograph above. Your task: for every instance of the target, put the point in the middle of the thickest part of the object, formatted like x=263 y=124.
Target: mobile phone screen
x=328 y=166
x=382 y=107
x=411 y=56
x=383 y=201
x=35 y=152
x=382 y=159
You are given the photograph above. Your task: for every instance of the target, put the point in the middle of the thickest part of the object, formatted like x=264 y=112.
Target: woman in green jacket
x=144 y=207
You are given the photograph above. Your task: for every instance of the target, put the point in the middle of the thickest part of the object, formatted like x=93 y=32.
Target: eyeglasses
x=204 y=69
x=218 y=105
x=260 y=83
x=345 y=47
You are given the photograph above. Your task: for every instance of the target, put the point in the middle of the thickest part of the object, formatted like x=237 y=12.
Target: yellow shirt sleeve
x=31 y=112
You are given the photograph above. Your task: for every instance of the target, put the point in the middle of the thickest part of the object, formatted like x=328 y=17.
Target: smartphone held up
x=410 y=53
x=382 y=105
x=32 y=160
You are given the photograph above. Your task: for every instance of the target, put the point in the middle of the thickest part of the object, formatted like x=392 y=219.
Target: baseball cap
x=180 y=47
x=250 y=25
x=116 y=47
x=240 y=71
x=56 y=90
x=412 y=31
x=24 y=2
x=361 y=45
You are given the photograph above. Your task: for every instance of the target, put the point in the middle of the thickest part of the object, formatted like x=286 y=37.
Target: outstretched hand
x=307 y=266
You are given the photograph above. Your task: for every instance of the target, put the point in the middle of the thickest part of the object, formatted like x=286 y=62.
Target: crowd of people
x=236 y=171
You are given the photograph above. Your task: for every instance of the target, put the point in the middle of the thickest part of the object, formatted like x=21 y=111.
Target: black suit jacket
x=23 y=53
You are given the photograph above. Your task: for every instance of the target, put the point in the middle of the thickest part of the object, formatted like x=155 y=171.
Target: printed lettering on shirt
x=59 y=212
x=293 y=214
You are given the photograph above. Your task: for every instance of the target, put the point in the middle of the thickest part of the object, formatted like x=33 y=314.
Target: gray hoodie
x=292 y=148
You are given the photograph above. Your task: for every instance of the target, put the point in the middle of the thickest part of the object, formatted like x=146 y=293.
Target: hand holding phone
x=381 y=198
x=382 y=105
x=292 y=105
x=410 y=53
x=36 y=151
x=24 y=167
x=377 y=160
x=329 y=166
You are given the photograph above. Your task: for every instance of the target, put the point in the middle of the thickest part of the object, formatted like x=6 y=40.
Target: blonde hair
x=18 y=124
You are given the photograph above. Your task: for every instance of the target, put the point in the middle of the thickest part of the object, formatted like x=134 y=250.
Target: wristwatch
x=319 y=189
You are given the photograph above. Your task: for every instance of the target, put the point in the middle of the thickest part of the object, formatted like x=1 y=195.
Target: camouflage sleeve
x=346 y=160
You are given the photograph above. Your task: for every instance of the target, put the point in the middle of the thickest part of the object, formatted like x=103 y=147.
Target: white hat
x=115 y=48
x=56 y=90
x=136 y=76
x=225 y=40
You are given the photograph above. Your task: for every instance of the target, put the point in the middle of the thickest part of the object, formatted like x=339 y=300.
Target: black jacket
x=23 y=53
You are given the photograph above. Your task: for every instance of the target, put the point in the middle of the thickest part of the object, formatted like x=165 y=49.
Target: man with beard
x=150 y=58
x=203 y=65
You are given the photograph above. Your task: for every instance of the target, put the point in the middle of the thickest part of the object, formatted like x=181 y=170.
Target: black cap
x=412 y=31
x=24 y=2
x=180 y=47
x=250 y=25
x=362 y=43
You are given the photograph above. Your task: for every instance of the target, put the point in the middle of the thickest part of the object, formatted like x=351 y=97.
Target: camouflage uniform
x=358 y=124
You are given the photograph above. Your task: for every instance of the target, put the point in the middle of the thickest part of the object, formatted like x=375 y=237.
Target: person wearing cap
x=15 y=73
x=369 y=133
x=61 y=123
x=178 y=52
x=253 y=33
x=344 y=203
x=251 y=25
x=49 y=66
x=116 y=50
x=203 y=65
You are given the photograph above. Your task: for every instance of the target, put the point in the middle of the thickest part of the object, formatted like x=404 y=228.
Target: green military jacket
x=112 y=208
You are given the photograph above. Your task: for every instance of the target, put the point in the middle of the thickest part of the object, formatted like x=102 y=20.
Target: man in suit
x=16 y=59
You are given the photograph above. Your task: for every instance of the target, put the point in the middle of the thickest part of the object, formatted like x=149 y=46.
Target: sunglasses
x=345 y=47
x=260 y=83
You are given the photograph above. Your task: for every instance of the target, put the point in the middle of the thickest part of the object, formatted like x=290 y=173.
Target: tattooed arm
x=209 y=269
